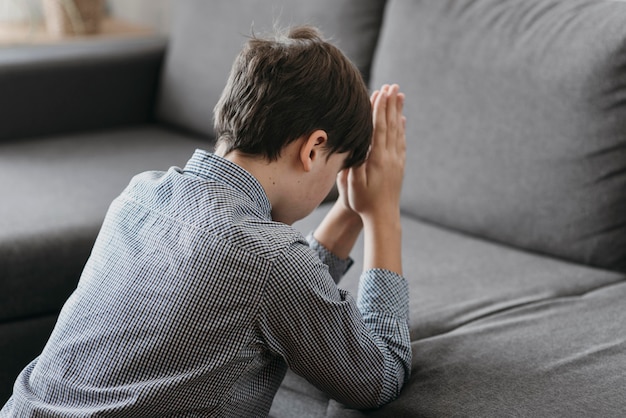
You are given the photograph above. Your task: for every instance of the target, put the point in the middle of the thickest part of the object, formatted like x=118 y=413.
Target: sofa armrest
x=78 y=86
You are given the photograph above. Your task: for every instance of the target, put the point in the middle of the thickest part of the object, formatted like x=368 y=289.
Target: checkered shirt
x=194 y=303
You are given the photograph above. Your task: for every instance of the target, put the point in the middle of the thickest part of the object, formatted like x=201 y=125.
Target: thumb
x=342 y=180
x=358 y=176
x=342 y=177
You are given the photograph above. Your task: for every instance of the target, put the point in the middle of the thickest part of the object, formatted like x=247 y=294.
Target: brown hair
x=284 y=87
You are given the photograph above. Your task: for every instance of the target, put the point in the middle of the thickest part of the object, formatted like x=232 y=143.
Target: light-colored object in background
x=155 y=14
x=72 y=17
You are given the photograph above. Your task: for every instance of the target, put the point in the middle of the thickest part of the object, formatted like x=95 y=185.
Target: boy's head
x=289 y=86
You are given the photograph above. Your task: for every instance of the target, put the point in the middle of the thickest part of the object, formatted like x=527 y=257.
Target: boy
x=198 y=293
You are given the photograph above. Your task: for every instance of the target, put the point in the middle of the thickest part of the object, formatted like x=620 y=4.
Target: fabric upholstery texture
x=456 y=279
x=560 y=357
x=517 y=129
x=63 y=186
x=21 y=342
x=200 y=54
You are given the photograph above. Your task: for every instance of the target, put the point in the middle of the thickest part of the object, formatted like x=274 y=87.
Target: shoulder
x=213 y=208
x=275 y=241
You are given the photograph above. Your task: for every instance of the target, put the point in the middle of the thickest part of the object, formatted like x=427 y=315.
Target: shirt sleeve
x=359 y=353
x=337 y=267
x=384 y=304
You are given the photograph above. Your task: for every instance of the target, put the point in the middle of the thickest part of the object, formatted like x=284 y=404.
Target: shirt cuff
x=383 y=290
x=337 y=267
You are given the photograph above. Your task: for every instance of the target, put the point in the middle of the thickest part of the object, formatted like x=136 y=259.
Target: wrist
x=388 y=225
x=383 y=242
x=345 y=214
x=387 y=215
x=339 y=230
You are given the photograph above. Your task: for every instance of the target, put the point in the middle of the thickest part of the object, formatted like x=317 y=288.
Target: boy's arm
x=369 y=195
x=358 y=352
x=336 y=235
x=339 y=230
x=374 y=187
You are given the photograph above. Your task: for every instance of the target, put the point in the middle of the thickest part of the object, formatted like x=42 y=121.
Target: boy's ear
x=311 y=148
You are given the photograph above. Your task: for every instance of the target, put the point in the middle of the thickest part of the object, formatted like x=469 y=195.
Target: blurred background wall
x=153 y=13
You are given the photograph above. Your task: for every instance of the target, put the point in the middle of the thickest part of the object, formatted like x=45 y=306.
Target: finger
x=380 y=119
x=401 y=146
x=373 y=97
x=378 y=93
x=401 y=100
x=392 y=115
x=357 y=178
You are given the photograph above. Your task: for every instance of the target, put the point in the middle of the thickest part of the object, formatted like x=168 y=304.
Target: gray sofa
x=514 y=203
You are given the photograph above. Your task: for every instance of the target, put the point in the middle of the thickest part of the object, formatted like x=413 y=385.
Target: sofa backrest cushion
x=207 y=35
x=516 y=120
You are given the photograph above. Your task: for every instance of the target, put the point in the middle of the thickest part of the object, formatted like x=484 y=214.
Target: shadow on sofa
x=514 y=205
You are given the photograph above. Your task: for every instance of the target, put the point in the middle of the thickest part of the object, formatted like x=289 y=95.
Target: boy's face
x=320 y=182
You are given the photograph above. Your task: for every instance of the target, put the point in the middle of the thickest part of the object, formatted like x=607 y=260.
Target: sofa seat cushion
x=516 y=120
x=207 y=36
x=529 y=312
x=564 y=356
x=55 y=193
x=21 y=342
x=455 y=279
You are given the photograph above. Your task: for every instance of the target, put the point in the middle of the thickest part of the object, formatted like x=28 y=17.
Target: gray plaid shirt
x=194 y=302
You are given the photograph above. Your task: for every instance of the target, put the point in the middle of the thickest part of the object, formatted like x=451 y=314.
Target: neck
x=270 y=174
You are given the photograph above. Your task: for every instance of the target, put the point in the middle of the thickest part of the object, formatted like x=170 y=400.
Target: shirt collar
x=212 y=167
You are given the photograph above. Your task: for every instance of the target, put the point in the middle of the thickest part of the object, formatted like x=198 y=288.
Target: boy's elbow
x=373 y=395
x=393 y=387
x=370 y=400
x=366 y=400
